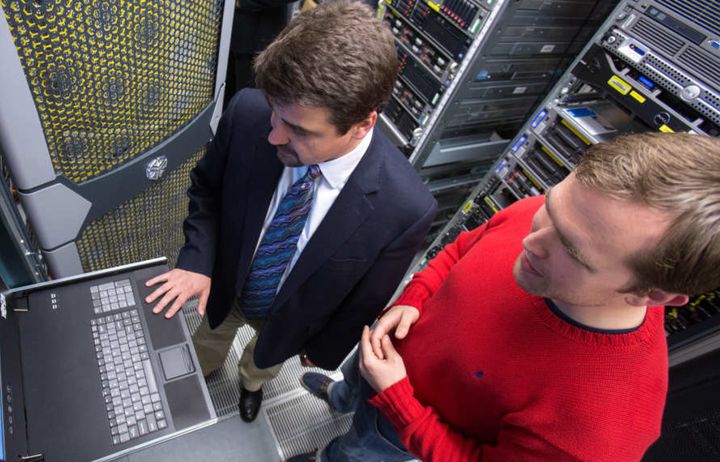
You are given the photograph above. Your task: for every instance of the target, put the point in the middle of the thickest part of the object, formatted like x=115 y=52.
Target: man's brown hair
x=677 y=173
x=338 y=56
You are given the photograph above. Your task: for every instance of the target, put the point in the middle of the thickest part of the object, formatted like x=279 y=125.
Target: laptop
x=89 y=373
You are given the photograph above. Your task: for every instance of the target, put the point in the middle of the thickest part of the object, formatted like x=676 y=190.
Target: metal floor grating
x=302 y=423
x=299 y=422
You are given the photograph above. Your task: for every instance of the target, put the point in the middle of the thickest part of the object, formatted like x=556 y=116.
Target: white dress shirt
x=334 y=175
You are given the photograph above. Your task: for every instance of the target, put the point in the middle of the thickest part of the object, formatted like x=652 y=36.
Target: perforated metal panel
x=112 y=78
x=303 y=423
x=146 y=226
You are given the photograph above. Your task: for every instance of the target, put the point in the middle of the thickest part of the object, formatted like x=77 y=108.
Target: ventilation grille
x=703 y=65
x=303 y=423
x=657 y=37
x=147 y=226
x=705 y=13
x=111 y=78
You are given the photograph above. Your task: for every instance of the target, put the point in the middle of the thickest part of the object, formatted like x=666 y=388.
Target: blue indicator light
x=520 y=141
x=538 y=118
x=645 y=81
x=637 y=50
x=715 y=44
x=482 y=75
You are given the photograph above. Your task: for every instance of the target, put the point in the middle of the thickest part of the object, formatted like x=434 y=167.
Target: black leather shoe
x=249 y=404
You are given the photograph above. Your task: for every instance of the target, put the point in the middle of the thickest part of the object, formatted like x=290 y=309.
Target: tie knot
x=312 y=172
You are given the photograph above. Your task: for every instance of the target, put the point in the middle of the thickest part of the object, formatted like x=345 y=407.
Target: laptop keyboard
x=112 y=296
x=132 y=401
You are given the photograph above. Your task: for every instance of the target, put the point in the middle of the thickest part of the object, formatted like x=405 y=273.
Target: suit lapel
x=351 y=208
x=265 y=170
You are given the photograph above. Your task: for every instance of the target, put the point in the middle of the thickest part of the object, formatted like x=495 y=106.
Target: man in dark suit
x=302 y=214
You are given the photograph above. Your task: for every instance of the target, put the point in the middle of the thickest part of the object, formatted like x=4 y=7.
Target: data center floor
x=291 y=421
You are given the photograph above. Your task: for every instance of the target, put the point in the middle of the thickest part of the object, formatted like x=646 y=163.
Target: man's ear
x=360 y=129
x=655 y=297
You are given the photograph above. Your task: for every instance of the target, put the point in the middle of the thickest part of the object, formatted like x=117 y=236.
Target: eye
x=299 y=131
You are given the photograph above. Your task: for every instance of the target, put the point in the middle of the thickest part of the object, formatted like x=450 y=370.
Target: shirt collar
x=337 y=171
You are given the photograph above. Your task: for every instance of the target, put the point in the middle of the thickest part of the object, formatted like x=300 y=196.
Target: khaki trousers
x=212 y=347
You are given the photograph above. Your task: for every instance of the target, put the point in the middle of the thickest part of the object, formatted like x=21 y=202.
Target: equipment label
x=619 y=84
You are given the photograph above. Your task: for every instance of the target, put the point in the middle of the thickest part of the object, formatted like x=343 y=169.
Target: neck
x=605 y=317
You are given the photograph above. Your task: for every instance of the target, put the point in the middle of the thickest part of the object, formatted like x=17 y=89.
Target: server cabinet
x=652 y=66
x=470 y=73
x=105 y=106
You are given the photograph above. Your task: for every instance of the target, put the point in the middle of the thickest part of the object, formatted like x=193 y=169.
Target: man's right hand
x=400 y=318
x=179 y=285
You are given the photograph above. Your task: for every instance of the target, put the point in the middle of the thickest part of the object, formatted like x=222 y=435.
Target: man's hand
x=400 y=318
x=179 y=285
x=380 y=373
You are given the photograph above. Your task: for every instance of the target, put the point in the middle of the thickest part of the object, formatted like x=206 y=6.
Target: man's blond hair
x=677 y=173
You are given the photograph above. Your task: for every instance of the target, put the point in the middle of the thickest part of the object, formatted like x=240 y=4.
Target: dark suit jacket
x=350 y=267
x=256 y=23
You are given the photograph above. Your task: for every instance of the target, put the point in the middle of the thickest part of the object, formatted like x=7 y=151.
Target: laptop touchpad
x=176 y=362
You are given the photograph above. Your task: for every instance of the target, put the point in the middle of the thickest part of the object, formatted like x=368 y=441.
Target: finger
x=158 y=278
x=202 y=303
x=365 y=347
x=158 y=292
x=388 y=348
x=169 y=296
x=177 y=306
x=382 y=327
x=375 y=337
x=403 y=327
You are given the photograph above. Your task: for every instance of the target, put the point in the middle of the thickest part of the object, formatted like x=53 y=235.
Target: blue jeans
x=371 y=437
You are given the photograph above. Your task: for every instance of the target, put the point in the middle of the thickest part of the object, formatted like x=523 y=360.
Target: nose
x=278 y=135
x=536 y=243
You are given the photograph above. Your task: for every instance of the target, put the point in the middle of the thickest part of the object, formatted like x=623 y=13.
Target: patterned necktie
x=277 y=247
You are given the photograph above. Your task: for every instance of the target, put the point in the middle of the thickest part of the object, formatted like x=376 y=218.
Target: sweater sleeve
x=424 y=284
x=425 y=435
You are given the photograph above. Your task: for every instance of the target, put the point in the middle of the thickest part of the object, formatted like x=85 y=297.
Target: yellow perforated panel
x=147 y=226
x=112 y=78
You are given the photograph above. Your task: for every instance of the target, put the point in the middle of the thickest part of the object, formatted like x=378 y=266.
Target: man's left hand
x=380 y=373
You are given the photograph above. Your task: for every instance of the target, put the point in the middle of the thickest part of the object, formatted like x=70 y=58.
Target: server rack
x=652 y=66
x=471 y=72
x=105 y=107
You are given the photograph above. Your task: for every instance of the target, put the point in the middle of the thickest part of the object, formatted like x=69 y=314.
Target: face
x=304 y=135
x=578 y=243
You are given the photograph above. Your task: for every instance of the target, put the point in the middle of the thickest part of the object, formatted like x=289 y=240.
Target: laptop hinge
x=17 y=303
x=33 y=458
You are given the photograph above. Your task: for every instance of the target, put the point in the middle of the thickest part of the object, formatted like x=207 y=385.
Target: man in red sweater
x=539 y=335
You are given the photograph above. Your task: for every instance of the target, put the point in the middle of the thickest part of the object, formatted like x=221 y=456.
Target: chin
x=527 y=282
x=289 y=159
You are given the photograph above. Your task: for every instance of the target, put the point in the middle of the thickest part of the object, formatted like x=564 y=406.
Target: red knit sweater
x=495 y=375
